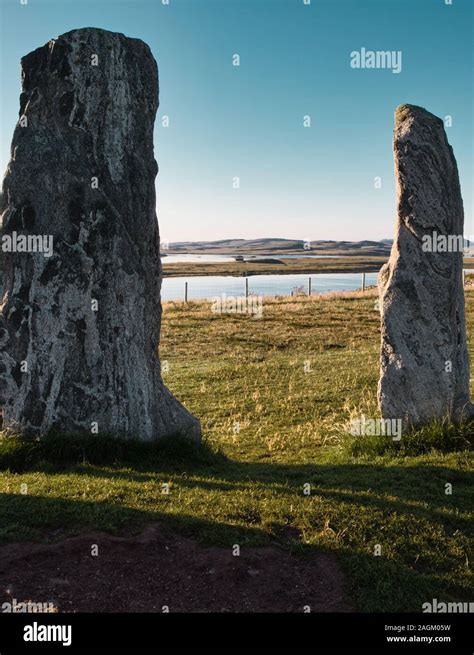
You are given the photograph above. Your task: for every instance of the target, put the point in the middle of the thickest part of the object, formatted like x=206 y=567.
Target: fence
x=205 y=288
x=208 y=287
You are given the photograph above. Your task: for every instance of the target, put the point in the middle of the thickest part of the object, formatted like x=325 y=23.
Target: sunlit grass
x=274 y=396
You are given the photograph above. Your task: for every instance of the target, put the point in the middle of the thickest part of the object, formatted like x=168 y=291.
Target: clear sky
x=295 y=60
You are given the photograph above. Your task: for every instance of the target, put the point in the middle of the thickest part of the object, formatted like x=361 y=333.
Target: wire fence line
x=210 y=287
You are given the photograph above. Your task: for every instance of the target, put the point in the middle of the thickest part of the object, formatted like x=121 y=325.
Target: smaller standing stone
x=424 y=369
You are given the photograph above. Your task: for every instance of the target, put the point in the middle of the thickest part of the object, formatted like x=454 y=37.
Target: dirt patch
x=161 y=568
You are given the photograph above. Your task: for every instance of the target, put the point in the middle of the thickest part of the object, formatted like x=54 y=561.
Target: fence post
x=246 y=287
x=185 y=292
x=309 y=286
x=363 y=281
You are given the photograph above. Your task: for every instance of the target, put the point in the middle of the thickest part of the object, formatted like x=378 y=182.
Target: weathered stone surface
x=424 y=357
x=89 y=99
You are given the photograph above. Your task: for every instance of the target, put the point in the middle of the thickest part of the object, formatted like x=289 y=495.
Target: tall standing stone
x=424 y=357
x=79 y=330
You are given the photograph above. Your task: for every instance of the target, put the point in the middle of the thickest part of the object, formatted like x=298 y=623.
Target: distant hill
x=275 y=246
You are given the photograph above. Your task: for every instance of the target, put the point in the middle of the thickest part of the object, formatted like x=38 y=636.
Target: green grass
x=274 y=396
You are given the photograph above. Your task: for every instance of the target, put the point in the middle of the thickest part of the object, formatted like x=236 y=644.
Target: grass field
x=274 y=395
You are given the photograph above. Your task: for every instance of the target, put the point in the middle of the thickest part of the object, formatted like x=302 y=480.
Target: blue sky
x=226 y=121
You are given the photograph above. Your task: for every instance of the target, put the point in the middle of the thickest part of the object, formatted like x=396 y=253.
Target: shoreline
x=286 y=267
x=352 y=264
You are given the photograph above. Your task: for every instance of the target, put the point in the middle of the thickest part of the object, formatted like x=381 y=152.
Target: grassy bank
x=347 y=264
x=273 y=394
x=282 y=267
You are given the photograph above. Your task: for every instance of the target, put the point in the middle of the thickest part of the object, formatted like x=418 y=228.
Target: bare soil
x=161 y=568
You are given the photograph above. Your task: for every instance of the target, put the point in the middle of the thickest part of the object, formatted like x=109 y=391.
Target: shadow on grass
x=60 y=451
x=389 y=488
x=41 y=518
x=415 y=490
x=376 y=584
